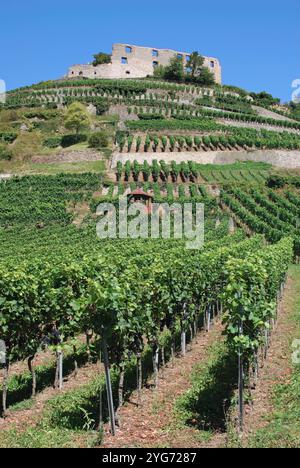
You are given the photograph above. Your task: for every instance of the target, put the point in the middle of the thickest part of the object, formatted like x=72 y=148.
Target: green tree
x=101 y=58
x=193 y=72
x=77 y=118
x=102 y=106
x=99 y=140
x=5 y=152
x=295 y=110
x=159 y=71
x=205 y=78
x=265 y=98
x=195 y=64
x=175 y=71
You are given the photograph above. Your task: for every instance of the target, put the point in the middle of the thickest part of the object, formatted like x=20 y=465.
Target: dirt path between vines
x=278 y=366
x=22 y=419
x=152 y=423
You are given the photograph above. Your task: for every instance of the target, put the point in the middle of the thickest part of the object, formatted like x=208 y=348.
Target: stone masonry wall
x=278 y=158
x=130 y=61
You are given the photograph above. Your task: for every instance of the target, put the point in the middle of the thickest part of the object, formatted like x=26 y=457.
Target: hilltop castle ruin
x=129 y=61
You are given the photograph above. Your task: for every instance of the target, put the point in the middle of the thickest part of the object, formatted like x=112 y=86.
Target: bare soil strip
x=22 y=419
x=277 y=368
x=153 y=425
x=145 y=425
x=67 y=156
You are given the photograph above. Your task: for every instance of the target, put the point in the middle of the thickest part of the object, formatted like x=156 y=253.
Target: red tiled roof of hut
x=140 y=192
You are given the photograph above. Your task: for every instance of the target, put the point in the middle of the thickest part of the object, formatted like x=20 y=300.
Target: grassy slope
x=51 y=168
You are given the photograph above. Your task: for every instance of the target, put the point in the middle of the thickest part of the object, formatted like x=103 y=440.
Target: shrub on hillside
x=27 y=145
x=264 y=99
x=275 y=181
x=99 y=140
x=52 y=142
x=101 y=58
x=8 y=137
x=149 y=116
x=9 y=115
x=293 y=180
x=70 y=140
x=47 y=126
x=102 y=106
x=205 y=78
x=41 y=114
x=5 y=152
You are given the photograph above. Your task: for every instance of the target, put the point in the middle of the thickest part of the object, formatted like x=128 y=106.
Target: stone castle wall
x=130 y=61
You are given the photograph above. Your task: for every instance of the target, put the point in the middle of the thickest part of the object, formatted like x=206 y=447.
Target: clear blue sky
x=256 y=41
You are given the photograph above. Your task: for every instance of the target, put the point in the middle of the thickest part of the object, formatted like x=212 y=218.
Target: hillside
x=175 y=322
x=142 y=116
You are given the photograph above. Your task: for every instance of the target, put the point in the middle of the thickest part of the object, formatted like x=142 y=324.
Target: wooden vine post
x=108 y=386
x=241 y=381
x=139 y=376
x=59 y=359
x=4 y=366
x=207 y=318
x=4 y=388
x=100 y=426
x=60 y=368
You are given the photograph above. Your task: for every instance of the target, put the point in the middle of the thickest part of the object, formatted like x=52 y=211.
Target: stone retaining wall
x=258 y=126
x=278 y=158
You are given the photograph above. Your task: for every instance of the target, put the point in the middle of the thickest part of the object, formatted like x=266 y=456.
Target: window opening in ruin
x=155 y=64
x=154 y=53
x=212 y=64
x=180 y=56
x=127 y=72
x=128 y=50
x=124 y=60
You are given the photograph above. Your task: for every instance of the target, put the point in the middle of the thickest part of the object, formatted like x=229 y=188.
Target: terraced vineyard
x=159 y=95
x=191 y=172
x=61 y=267
x=235 y=139
x=136 y=308
x=273 y=214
